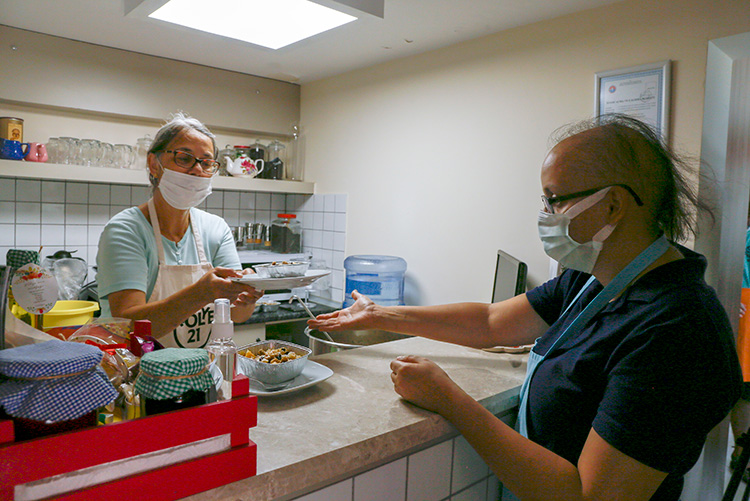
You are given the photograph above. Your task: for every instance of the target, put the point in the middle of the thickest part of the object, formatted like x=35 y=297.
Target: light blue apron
x=615 y=287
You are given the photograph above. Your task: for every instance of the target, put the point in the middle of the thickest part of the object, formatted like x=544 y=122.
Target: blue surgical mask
x=558 y=244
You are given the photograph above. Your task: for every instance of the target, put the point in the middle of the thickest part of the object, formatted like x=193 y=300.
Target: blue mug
x=13 y=150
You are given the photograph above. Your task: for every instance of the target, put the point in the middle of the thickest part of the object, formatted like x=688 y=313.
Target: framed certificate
x=641 y=92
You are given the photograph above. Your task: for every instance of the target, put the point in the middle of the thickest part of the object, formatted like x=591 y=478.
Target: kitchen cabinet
x=55 y=172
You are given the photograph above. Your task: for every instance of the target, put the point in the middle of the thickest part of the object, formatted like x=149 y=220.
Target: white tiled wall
x=448 y=471
x=69 y=215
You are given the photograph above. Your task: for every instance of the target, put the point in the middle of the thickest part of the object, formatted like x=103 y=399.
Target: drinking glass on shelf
x=90 y=152
x=56 y=150
x=107 y=155
x=72 y=149
x=124 y=156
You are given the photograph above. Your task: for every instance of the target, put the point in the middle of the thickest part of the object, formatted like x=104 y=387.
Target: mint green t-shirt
x=128 y=257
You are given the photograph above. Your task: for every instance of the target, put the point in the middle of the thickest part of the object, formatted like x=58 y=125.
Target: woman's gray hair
x=622 y=149
x=177 y=124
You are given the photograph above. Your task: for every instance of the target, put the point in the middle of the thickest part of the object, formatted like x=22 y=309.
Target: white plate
x=282 y=283
x=312 y=374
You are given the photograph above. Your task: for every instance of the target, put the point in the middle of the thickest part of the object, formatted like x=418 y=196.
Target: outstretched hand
x=360 y=315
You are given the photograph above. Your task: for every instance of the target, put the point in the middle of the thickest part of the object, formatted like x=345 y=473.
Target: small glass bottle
x=222 y=349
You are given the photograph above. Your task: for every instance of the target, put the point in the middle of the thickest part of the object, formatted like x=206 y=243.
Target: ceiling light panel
x=269 y=23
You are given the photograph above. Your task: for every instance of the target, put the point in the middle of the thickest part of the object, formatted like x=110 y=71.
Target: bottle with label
x=222 y=349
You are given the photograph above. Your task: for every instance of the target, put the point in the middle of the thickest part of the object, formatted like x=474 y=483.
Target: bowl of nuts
x=272 y=362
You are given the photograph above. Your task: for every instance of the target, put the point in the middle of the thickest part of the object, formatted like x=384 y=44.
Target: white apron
x=195 y=331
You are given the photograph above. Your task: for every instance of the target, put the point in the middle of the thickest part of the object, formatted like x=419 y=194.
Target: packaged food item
x=11 y=128
x=141 y=341
x=110 y=330
x=53 y=387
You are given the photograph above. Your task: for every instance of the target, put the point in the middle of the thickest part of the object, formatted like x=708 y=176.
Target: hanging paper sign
x=34 y=288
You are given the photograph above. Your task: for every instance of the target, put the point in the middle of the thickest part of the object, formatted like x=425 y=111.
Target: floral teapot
x=244 y=166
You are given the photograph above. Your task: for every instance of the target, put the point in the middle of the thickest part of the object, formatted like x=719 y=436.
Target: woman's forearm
x=529 y=470
x=512 y=322
x=165 y=315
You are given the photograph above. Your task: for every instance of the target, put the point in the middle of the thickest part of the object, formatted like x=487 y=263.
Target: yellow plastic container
x=67 y=313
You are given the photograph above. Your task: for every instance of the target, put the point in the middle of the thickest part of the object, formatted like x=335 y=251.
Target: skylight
x=269 y=23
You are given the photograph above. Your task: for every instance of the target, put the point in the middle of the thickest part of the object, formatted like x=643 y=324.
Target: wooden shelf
x=58 y=172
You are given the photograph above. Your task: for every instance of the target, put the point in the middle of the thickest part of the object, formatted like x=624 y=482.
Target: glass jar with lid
x=142 y=146
x=173 y=379
x=276 y=161
x=52 y=387
x=286 y=234
x=257 y=151
x=228 y=154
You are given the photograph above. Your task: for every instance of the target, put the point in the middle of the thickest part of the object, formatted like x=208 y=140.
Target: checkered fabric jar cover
x=170 y=372
x=15 y=258
x=53 y=381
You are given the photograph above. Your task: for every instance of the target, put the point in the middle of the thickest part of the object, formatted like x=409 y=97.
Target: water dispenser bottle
x=381 y=278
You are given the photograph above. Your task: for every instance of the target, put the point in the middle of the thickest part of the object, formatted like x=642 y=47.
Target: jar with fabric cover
x=52 y=387
x=173 y=379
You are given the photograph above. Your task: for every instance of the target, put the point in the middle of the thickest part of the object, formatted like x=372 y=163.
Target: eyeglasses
x=550 y=202
x=186 y=161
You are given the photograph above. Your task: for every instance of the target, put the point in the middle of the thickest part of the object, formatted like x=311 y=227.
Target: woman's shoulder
x=127 y=223
x=129 y=216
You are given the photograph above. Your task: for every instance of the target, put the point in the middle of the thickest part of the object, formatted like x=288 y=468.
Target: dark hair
x=177 y=124
x=621 y=149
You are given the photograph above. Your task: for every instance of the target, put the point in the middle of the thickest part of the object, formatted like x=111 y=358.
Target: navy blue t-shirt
x=653 y=372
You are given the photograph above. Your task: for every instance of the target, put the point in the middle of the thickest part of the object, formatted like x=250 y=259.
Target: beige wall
x=440 y=152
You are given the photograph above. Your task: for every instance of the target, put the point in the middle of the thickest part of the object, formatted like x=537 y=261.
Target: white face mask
x=554 y=232
x=183 y=191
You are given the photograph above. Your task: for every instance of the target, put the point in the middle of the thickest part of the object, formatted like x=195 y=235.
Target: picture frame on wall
x=641 y=92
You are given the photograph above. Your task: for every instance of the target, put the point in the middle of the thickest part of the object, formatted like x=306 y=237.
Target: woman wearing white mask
x=165 y=260
x=634 y=361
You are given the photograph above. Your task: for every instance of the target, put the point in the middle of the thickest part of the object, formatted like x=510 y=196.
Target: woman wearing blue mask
x=634 y=360
x=166 y=260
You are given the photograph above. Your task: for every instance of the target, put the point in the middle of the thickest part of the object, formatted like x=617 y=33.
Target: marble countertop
x=354 y=421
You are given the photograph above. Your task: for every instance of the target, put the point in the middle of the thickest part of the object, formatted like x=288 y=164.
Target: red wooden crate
x=41 y=458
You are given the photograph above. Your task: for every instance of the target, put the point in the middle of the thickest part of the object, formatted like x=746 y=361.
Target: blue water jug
x=381 y=278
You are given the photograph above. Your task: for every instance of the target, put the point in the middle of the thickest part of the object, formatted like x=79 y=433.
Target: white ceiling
x=409 y=27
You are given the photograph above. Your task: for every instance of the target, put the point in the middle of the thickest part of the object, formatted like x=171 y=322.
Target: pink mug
x=37 y=153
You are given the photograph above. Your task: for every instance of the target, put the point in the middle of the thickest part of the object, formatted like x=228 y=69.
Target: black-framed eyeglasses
x=186 y=161
x=550 y=202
